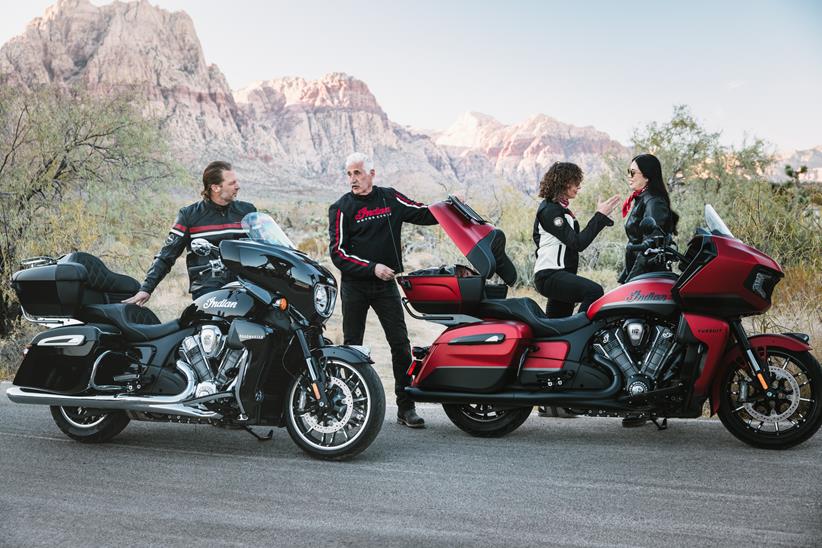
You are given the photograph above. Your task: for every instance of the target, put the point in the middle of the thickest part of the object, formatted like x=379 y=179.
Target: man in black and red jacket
x=215 y=218
x=364 y=228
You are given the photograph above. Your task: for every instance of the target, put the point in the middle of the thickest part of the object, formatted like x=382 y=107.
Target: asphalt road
x=571 y=482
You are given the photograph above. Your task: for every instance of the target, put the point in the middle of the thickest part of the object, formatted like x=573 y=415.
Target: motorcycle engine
x=640 y=349
x=214 y=363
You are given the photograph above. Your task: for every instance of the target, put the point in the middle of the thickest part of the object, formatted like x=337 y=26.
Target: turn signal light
x=282 y=304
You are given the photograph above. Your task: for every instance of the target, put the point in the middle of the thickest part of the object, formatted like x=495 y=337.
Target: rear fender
x=759 y=343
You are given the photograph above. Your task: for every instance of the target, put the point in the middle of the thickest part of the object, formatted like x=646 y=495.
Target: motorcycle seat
x=526 y=310
x=138 y=324
x=100 y=277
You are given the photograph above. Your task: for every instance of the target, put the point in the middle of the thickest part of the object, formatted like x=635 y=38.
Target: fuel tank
x=647 y=296
x=223 y=304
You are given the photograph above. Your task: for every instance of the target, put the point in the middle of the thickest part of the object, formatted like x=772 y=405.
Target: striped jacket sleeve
x=411 y=211
x=339 y=248
x=177 y=241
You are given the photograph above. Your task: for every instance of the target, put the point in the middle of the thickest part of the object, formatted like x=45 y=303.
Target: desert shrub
x=80 y=173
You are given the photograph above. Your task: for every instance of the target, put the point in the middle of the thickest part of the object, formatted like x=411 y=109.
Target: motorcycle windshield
x=715 y=223
x=260 y=227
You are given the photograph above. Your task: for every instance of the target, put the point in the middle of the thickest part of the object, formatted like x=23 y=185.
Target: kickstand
x=267 y=437
x=660 y=426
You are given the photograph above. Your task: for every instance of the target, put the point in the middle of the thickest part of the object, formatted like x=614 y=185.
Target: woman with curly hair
x=559 y=241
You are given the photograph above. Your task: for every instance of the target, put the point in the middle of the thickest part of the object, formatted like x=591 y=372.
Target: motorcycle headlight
x=324 y=299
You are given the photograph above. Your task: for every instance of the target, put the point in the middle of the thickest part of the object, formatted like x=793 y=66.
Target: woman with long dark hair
x=650 y=200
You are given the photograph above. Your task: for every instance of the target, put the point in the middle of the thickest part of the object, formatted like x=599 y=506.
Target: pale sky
x=744 y=67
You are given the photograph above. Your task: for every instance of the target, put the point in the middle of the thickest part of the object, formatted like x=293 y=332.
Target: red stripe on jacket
x=196 y=229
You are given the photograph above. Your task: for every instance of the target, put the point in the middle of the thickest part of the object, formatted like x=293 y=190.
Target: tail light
x=419 y=353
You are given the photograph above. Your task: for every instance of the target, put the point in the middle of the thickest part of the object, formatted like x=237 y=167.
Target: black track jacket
x=203 y=219
x=365 y=230
x=558 y=238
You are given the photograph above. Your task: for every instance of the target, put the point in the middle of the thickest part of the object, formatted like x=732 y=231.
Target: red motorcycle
x=658 y=346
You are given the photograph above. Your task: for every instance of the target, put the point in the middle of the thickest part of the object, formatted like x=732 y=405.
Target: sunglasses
x=632 y=172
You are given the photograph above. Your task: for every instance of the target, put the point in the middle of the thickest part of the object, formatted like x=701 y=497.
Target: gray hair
x=358 y=157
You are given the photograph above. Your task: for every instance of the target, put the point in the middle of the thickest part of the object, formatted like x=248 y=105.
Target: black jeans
x=564 y=289
x=384 y=297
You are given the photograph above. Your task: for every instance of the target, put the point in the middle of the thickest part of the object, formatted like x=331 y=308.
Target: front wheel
x=790 y=416
x=484 y=420
x=354 y=419
x=89 y=425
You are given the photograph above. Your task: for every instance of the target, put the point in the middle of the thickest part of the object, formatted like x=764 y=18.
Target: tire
x=359 y=401
x=797 y=413
x=89 y=425
x=484 y=420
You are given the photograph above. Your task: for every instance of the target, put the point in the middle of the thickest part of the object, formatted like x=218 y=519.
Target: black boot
x=407 y=416
x=632 y=421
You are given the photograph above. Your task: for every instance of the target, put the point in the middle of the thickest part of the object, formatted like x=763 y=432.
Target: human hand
x=608 y=205
x=383 y=272
x=139 y=299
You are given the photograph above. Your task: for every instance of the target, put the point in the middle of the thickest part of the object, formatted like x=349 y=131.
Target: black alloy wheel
x=792 y=412
x=353 y=420
x=89 y=425
x=484 y=420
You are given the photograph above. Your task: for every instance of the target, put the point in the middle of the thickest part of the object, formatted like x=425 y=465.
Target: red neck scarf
x=565 y=203
x=626 y=206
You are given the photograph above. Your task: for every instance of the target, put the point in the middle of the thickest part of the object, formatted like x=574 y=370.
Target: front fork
x=316 y=372
x=761 y=374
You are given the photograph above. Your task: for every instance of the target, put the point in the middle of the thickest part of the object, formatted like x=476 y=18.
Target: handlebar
x=638 y=247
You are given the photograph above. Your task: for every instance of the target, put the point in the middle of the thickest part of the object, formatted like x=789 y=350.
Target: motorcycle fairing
x=713 y=334
x=479 y=241
x=724 y=287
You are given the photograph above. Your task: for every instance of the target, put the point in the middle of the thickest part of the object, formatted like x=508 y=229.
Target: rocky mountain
x=521 y=153
x=131 y=46
x=284 y=135
x=314 y=125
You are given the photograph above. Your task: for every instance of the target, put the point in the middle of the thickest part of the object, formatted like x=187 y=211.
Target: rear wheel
x=793 y=413
x=485 y=420
x=89 y=425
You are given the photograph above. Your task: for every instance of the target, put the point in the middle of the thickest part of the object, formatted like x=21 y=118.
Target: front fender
x=346 y=353
x=759 y=343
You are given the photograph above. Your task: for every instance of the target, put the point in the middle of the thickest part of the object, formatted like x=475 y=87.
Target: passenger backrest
x=102 y=285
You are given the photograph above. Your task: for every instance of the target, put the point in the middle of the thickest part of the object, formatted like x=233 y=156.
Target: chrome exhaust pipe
x=165 y=405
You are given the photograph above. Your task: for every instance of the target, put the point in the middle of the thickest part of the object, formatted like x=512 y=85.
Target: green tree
x=79 y=172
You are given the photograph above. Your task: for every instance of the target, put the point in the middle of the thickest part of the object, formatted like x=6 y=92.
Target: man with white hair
x=364 y=228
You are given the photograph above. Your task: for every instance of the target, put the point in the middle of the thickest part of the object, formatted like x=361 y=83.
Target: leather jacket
x=645 y=205
x=203 y=219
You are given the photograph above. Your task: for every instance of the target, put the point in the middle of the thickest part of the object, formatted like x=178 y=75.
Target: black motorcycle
x=250 y=353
